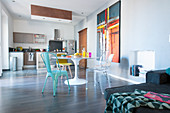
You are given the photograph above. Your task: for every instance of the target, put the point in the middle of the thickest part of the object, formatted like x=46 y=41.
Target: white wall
x=43 y=27
x=88 y=23
x=10 y=26
x=0 y=45
x=4 y=40
x=145 y=25
x=6 y=36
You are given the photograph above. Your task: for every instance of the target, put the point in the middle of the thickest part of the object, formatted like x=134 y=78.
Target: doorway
x=83 y=44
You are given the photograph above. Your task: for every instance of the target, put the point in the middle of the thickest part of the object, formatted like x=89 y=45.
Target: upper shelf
x=29 y=38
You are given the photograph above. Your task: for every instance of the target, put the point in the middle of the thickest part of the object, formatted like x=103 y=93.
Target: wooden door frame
x=86 y=44
x=82 y=30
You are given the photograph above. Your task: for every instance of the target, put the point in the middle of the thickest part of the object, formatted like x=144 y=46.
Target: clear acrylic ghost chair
x=54 y=74
x=102 y=67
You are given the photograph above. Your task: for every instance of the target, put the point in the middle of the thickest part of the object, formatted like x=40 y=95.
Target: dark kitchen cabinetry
x=30 y=58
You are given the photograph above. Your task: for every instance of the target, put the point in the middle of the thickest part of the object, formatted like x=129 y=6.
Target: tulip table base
x=76 y=81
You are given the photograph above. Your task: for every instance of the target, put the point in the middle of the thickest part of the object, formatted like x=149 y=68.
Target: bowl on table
x=63 y=55
x=69 y=56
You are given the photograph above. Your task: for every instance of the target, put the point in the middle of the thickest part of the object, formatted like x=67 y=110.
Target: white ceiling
x=20 y=9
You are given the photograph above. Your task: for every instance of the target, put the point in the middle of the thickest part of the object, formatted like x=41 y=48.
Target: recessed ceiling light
x=82 y=13
x=13 y=1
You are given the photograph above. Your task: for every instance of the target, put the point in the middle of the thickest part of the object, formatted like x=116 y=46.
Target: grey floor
x=20 y=92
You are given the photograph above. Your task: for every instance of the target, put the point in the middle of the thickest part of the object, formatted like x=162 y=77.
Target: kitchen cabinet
x=29 y=38
x=30 y=58
x=22 y=37
x=39 y=38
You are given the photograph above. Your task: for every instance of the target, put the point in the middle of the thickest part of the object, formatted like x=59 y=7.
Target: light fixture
x=50 y=19
x=13 y=1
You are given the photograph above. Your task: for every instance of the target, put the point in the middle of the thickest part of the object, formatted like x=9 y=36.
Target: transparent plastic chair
x=102 y=67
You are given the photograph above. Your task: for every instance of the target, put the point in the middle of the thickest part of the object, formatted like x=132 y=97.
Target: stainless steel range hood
x=57 y=34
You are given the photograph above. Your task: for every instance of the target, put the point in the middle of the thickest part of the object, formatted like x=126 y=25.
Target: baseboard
x=29 y=67
x=124 y=79
x=5 y=69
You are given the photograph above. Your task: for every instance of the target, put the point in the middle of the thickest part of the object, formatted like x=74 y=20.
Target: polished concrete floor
x=20 y=92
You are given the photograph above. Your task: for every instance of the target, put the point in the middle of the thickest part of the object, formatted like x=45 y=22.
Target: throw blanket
x=127 y=102
x=160 y=97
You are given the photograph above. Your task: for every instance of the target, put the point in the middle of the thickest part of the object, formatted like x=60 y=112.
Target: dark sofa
x=156 y=81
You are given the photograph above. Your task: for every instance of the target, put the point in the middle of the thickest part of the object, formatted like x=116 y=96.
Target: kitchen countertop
x=21 y=51
x=16 y=52
x=53 y=52
x=34 y=52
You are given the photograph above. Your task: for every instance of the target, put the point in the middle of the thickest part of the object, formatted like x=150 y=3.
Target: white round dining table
x=76 y=80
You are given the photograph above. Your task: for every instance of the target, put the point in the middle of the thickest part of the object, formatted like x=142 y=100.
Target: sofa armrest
x=157 y=77
x=131 y=88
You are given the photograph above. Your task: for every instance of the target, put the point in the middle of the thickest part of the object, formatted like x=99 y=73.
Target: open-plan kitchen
x=29 y=46
x=84 y=56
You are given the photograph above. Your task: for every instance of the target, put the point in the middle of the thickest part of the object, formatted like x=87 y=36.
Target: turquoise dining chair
x=54 y=74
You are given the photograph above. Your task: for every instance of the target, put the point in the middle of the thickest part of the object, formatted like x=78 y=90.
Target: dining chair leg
x=70 y=71
x=95 y=78
x=62 y=69
x=45 y=83
x=54 y=87
x=108 y=77
x=57 y=67
x=65 y=68
x=56 y=81
x=100 y=83
x=87 y=78
x=68 y=81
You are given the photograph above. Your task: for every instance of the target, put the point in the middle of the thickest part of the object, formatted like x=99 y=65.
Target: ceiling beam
x=50 y=12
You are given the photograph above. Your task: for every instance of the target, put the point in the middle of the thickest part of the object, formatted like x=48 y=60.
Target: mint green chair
x=54 y=74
